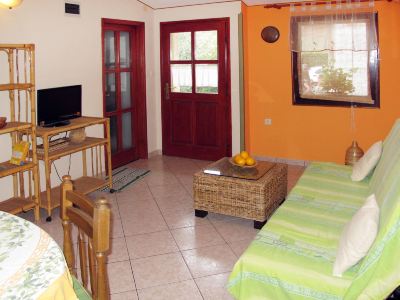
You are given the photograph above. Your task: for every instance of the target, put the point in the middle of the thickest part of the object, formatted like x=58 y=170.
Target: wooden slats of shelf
x=17 y=46
x=71 y=148
x=15 y=126
x=84 y=184
x=6 y=168
x=15 y=86
x=16 y=205
x=80 y=122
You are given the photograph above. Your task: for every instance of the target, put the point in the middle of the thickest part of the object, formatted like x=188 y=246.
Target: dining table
x=32 y=265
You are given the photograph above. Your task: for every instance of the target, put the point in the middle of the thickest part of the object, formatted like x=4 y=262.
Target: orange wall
x=310 y=132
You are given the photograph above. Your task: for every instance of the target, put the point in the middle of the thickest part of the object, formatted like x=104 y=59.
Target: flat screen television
x=56 y=106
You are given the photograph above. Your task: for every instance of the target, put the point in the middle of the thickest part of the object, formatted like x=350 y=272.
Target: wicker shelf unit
x=20 y=91
x=50 y=198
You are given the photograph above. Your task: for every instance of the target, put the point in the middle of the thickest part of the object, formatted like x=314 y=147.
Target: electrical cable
x=69 y=164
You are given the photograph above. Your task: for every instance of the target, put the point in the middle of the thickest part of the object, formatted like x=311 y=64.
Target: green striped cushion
x=390 y=154
x=292 y=256
x=378 y=274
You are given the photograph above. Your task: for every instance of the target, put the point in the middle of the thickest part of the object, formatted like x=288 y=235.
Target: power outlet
x=268 y=122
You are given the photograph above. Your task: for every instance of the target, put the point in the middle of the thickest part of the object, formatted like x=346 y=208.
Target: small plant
x=336 y=81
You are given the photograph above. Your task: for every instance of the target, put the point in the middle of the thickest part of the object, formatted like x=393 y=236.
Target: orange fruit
x=241 y=161
x=250 y=161
x=236 y=158
x=244 y=154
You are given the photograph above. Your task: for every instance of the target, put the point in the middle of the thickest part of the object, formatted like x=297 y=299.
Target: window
x=335 y=60
x=202 y=54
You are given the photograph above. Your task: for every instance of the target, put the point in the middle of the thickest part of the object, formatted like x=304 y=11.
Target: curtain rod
x=280 y=5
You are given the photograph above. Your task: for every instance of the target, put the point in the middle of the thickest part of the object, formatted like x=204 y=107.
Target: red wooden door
x=195 y=78
x=124 y=89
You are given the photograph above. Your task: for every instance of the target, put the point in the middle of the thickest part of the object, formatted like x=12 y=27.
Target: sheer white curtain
x=334 y=42
x=333 y=30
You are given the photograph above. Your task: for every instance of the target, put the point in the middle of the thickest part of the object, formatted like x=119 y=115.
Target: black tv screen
x=56 y=106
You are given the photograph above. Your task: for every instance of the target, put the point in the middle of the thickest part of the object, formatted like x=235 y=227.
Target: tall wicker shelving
x=21 y=125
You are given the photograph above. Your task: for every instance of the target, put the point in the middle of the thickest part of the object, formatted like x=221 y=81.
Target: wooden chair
x=93 y=220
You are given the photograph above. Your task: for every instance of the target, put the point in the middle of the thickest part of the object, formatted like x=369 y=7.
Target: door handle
x=167 y=91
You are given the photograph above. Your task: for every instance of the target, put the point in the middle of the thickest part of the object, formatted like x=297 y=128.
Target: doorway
x=124 y=89
x=195 y=79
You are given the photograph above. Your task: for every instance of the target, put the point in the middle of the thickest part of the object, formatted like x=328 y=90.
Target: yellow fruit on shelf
x=244 y=154
x=250 y=161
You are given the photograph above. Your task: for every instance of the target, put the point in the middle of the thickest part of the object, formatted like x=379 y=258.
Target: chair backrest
x=93 y=221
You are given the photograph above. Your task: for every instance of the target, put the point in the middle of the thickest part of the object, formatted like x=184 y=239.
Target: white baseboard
x=295 y=162
x=155 y=153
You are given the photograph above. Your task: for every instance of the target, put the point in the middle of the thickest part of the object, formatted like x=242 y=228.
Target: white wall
x=209 y=11
x=68 y=51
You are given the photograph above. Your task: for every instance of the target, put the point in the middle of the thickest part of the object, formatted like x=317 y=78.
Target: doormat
x=123 y=177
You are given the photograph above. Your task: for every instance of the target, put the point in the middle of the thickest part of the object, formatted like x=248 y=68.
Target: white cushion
x=357 y=236
x=366 y=163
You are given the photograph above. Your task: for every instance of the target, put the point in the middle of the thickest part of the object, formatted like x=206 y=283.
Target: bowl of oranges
x=243 y=160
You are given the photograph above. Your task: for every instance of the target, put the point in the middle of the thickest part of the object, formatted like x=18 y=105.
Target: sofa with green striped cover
x=292 y=256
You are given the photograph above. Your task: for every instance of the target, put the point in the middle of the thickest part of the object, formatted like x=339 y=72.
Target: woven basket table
x=250 y=199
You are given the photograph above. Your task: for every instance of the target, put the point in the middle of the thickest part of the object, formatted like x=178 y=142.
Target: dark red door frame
x=165 y=77
x=138 y=84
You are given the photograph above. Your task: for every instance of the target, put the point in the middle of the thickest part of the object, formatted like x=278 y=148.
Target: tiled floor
x=159 y=249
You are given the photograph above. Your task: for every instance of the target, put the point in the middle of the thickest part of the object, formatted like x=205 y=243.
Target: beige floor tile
x=214 y=287
x=159 y=270
x=161 y=178
x=174 y=203
x=116 y=228
x=120 y=277
x=118 y=250
x=209 y=260
x=185 y=290
x=183 y=218
x=236 y=230
x=131 y=295
x=143 y=224
x=173 y=190
x=132 y=195
x=151 y=244
x=131 y=209
x=197 y=237
x=239 y=247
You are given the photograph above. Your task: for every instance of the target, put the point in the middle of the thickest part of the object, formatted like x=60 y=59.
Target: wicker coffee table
x=248 y=193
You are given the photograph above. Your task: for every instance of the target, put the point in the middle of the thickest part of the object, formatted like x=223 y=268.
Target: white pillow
x=366 y=163
x=357 y=236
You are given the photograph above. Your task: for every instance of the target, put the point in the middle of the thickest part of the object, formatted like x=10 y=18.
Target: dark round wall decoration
x=270 y=34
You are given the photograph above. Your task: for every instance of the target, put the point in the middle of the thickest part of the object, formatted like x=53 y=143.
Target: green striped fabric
x=292 y=256
x=379 y=272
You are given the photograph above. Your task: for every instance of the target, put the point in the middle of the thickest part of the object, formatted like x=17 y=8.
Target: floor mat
x=125 y=176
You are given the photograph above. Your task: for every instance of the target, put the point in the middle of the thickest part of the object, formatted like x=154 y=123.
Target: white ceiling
x=157 y=4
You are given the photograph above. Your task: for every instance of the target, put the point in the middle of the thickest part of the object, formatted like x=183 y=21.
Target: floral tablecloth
x=32 y=266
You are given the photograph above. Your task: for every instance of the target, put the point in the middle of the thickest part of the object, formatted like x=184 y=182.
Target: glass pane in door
x=207 y=78
x=181 y=78
x=206 y=45
x=126 y=90
x=125 y=48
x=181 y=46
x=109 y=47
x=111 y=103
x=126 y=131
x=114 y=134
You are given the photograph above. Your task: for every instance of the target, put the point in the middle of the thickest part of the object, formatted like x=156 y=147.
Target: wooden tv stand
x=50 y=198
